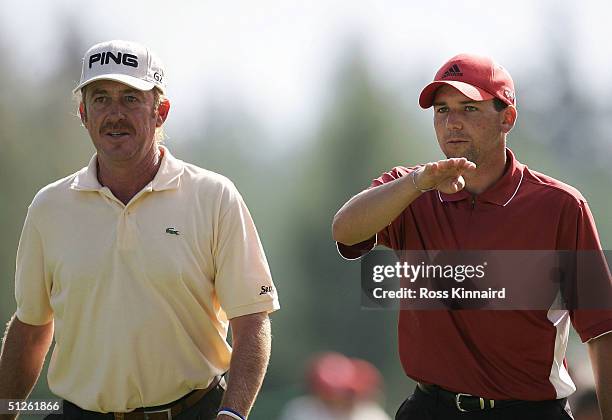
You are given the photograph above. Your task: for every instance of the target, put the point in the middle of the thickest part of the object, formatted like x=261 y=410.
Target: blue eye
x=131 y=99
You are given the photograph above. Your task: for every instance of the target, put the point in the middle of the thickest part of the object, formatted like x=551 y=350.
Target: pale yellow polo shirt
x=140 y=294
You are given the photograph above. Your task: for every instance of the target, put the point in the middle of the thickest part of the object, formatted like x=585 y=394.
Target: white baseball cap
x=123 y=61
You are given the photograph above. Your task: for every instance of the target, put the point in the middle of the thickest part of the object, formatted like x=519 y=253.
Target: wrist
x=229 y=413
x=413 y=175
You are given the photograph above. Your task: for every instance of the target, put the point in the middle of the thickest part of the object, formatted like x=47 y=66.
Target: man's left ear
x=509 y=118
x=82 y=113
x=162 y=112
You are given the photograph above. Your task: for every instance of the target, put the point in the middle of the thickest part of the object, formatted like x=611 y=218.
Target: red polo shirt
x=493 y=354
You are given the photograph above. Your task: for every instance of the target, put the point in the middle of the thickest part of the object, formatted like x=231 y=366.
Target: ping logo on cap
x=121 y=58
x=125 y=62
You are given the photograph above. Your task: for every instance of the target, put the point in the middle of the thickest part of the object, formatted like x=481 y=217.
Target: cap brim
x=122 y=78
x=429 y=92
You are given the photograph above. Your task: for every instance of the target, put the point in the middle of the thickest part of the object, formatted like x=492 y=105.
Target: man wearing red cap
x=481 y=364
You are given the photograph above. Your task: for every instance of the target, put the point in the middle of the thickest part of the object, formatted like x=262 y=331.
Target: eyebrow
x=99 y=91
x=462 y=103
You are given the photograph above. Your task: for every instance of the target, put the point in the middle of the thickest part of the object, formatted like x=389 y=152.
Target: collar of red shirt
x=500 y=193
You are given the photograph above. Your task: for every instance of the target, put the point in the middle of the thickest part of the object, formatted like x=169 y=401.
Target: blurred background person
x=340 y=388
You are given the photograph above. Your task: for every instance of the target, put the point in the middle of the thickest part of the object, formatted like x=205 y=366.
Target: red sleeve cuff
x=353 y=252
x=595 y=331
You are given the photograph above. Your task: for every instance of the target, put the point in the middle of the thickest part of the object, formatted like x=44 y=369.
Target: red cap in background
x=333 y=375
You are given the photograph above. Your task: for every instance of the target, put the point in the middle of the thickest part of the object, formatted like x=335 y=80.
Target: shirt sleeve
x=352 y=252
x=243 y=282
x=591 y=323
x=33 y=282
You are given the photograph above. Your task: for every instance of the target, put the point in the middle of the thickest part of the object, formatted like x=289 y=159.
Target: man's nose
x=116 y=110
x=453 y=121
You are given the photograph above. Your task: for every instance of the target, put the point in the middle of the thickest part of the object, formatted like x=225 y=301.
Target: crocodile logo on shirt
x=172 y=231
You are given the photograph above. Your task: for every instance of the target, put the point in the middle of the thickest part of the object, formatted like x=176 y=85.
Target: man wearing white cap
x=477 y=364
x=136 y=265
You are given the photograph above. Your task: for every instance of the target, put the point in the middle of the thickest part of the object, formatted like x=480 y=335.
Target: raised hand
x=444 y=175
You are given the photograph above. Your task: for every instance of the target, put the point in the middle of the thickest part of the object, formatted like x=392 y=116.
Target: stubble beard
x=471 y=153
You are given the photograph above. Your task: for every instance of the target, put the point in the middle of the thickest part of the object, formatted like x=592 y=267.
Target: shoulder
x=200 y=175
x=548 y=187
x=51 y=199
x=54 y=192
x=208 y=183
x=205 y=178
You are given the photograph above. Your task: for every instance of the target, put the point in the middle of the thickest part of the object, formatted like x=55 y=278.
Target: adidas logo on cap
x=453 y=71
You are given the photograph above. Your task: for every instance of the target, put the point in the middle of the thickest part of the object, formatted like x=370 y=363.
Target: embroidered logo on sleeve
x=266 y=290
x=172 y=231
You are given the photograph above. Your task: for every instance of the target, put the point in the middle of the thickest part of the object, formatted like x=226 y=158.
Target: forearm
x=600 y=351
x=250 y=356
x=24 y=348
x=371 y=210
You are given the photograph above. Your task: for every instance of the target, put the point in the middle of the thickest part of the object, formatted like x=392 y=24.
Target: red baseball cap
x=336 y=376
x=477 y=77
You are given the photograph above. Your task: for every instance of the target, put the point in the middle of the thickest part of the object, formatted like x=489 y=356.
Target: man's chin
x=466 y=153
x=116 y=153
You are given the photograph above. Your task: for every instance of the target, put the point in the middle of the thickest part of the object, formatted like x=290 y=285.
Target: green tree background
x=366 y=128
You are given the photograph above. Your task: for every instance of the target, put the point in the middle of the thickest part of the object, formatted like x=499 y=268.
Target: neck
x=125 y=180
x=486 y=174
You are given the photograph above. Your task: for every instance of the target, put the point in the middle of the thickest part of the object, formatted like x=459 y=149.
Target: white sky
x=275 y=58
